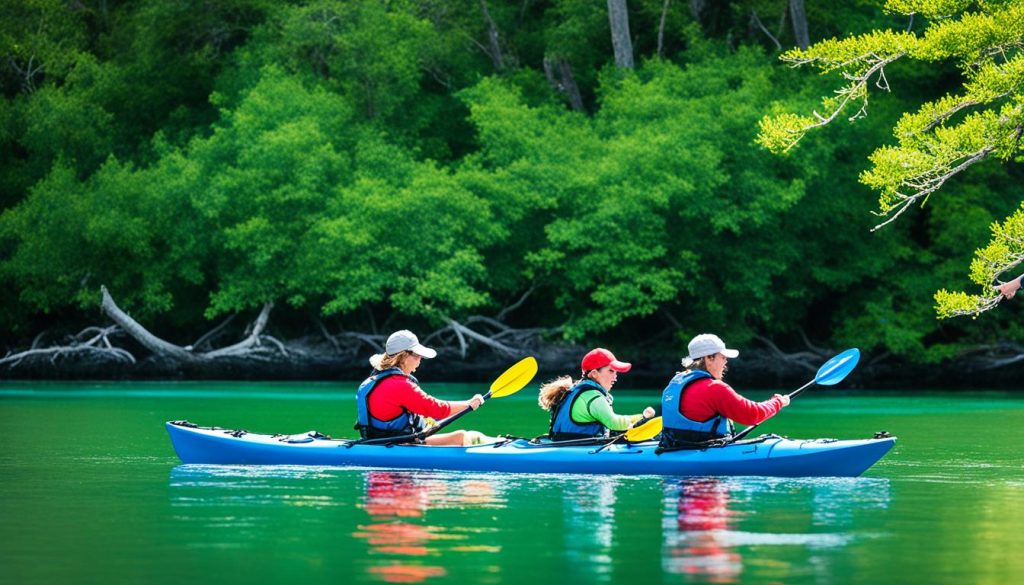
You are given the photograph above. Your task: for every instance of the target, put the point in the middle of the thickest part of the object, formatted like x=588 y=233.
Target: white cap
x=704 y=345
x=400 y=341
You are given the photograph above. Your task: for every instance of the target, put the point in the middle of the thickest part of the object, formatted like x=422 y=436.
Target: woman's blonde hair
x=391 y=361
x=553 y=392
x=697 y=364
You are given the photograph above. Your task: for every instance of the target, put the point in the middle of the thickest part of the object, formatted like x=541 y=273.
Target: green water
x=91 y=492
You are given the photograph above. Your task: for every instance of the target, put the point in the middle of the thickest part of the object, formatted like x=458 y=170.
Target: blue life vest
x=678 y=428
x=564 y=428
x=372 y=427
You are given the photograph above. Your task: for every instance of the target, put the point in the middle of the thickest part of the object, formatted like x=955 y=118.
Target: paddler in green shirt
x=584 y=410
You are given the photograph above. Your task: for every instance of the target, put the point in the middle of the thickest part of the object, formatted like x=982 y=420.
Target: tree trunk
x=661 y=27
x=618 y=18
x=559 y=74
x=697 y=10
x=798 y=14
x=493 y=39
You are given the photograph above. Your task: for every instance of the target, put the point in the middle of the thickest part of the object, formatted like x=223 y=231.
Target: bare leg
x=460 y=438
x=452 y=438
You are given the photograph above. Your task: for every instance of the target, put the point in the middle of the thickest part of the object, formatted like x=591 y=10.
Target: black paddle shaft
x=791 y=395
x=424 y=433
x=447 y=421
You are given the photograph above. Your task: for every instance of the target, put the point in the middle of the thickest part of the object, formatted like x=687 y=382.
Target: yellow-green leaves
x=935 y=9
x=975 y=37
x=991 y=265
x=860 y=60
x=943 y=137
x=780 y=133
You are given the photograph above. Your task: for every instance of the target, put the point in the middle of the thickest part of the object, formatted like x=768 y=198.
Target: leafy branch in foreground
x=943 y=137
x=1003 y=253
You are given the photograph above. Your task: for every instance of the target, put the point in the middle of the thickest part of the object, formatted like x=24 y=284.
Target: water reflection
x=710 y=523
x=408 y=546
x=589 y=508
x=414 y=524
x=428 y=527
x=695 y=531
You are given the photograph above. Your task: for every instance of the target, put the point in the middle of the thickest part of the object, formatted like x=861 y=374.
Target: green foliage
x=404 y=233
x=40 y=40
x=857 y=59
x=943 y=137
x=264 y=176
x=376 y=160
x=633 y=196
x=68 y=121
x=1004 y=252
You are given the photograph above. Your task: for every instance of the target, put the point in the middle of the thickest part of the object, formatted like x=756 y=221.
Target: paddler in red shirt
x=390 y=403
x=697 y=406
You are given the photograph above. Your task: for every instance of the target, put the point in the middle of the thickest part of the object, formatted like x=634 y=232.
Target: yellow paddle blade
x=514 y=378
x=644 y=432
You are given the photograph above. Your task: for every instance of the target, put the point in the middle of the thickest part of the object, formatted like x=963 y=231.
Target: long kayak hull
x=769 y=456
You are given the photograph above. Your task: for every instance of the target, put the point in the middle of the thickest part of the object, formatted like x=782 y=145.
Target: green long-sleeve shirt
x=591 y=406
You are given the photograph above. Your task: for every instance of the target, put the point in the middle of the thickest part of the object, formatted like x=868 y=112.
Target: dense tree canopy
x=424 y=162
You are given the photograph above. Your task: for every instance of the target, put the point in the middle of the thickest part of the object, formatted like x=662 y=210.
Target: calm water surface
x=92 y=492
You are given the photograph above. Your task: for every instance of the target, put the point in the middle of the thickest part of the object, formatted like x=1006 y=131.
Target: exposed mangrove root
x=251 y=346
x=809 y=360
x=97 y=347
x=997 y=356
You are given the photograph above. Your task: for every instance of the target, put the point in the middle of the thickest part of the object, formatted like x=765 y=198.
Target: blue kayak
x=768 y=455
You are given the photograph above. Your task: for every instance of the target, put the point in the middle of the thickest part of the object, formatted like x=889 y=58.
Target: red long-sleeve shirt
x=396 y=392
x=706 y=397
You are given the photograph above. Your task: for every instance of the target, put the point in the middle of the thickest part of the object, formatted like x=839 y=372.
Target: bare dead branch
x=457 y=329
x=489 y=321
x=327 y=335
x=462 y=331
x=757 y=21
x=213 y=333
x=504 y=312
x=141 y=334
x=804 y=359
x=276 y=342
x=252 y=340
x=811 y=346
x=98 y=345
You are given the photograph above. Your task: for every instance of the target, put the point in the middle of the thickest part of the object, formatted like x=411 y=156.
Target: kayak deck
x=765 y=456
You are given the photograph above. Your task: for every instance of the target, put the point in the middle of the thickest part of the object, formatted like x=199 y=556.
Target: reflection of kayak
x=769 y=455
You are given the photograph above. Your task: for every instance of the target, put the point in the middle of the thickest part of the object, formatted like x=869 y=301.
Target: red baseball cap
x=601 y=357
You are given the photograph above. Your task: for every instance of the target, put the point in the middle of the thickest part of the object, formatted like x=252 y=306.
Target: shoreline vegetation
x=465 y=355
x=264 y=189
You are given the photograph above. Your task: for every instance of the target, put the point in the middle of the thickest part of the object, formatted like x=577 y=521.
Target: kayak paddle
x=644 y=431
x=511 y=381
x=830 y=373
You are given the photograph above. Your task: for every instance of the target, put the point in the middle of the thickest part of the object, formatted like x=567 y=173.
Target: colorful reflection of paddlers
x=584 y=409
x=698 y=542
x=390 y=403
x=697 y=406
